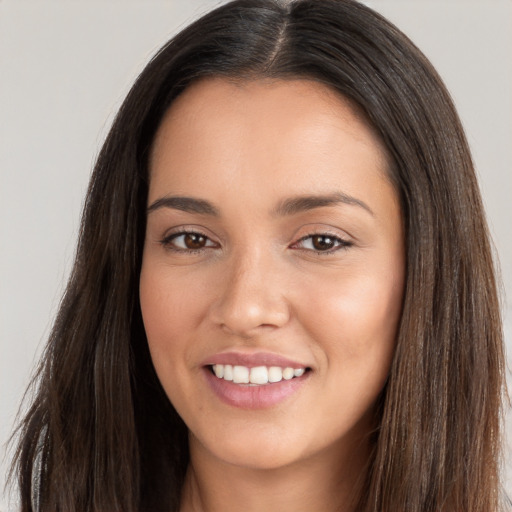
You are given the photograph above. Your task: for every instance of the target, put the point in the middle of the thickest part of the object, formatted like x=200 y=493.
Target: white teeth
x=228 y=372
x=240 y=374
x=288 y=373
x=275 y=374
x=258 y=375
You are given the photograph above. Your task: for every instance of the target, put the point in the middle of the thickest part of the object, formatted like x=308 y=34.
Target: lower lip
x=245 y=396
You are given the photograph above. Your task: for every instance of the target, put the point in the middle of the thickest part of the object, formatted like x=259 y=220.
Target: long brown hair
x=101 y=434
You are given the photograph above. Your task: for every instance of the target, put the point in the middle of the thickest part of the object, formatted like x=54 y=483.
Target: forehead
x=286 y=134
x=223 y=93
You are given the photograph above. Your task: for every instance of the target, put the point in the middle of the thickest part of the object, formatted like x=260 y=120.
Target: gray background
x=65 y=67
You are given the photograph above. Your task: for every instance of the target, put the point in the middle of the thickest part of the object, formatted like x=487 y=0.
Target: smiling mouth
x=256 y=376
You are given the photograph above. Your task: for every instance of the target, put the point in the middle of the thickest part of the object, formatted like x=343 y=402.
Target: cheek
x=170 y=309
x=355 y=327
x=354 y=304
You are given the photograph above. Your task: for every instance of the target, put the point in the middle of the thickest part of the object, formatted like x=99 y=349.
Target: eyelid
x=341 y=242
x=178 y=231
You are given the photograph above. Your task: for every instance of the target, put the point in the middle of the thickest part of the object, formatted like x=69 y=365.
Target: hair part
x=101 y=425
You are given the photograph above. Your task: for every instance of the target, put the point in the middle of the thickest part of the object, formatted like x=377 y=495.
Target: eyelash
x=166 y=242
x=341 y=243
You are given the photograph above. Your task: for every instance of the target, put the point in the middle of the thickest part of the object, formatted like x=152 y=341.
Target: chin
x=260 y=459
x=256 y=450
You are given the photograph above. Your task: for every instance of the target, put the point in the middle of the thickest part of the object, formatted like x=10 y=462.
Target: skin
x=258 y=285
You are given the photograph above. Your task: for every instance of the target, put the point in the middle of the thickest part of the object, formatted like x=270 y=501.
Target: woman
x=283 y=293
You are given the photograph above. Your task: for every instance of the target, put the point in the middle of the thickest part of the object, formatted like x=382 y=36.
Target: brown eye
x=323 y=242
x=188 y=241
x=194 y=241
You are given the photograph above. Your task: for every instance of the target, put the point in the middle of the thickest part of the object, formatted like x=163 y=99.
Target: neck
x=327 y=482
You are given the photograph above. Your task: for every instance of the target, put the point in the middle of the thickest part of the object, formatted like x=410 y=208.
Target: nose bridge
x=253 y=295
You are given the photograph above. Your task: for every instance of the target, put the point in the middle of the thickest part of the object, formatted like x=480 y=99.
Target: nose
x=252 y=296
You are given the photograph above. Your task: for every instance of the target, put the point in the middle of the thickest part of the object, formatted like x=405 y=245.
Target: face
x=273 y=269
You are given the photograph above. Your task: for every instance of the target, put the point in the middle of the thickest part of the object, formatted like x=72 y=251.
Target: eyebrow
x=185 y=204
x=287 y=207
x=304 y=203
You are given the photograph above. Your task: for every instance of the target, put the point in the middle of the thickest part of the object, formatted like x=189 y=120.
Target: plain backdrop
x=66 y=65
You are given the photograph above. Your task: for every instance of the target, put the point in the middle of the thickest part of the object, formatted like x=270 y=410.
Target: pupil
x=322 y=243
x=194 y=241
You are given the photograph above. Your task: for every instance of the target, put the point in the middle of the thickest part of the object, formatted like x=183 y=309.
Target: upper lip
x=253 y=360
